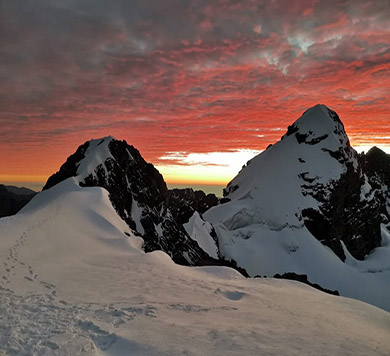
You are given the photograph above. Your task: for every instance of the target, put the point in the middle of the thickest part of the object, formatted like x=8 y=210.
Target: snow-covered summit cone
x=137 y=191
x=310 y=179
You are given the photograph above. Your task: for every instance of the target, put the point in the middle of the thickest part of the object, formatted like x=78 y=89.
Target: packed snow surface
x=73 y=283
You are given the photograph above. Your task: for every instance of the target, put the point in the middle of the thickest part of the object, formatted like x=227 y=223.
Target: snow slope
x=262 y=227
x=201 y=231
x=73 y=283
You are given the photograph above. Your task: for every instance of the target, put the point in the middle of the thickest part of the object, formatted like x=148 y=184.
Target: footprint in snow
x=232 y=295
x=102 y=338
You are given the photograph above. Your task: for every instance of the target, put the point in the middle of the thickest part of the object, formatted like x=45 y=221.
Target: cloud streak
x=185 y=76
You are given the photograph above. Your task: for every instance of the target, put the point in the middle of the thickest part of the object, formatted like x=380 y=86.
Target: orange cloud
x=212 y=78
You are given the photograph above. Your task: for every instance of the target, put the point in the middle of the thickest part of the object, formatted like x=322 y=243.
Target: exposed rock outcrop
x=303 y=279
x=184 y=202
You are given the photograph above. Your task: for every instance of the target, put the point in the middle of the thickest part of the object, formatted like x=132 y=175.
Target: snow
x=365 y=191
x=378 y=261
x=96 y=154
x=270 y=184
x=262 y=227
x=72 y=283
x=199 y=230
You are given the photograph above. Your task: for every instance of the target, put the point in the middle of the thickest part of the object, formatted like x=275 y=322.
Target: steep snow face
x=268 y=189
x=306 y=191
x=202 y=232
x=74 y=281
x=137 y=191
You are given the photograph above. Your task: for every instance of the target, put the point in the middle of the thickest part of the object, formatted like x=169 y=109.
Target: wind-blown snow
x=72 y=283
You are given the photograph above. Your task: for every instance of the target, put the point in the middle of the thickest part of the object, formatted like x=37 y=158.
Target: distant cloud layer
x=185 y=76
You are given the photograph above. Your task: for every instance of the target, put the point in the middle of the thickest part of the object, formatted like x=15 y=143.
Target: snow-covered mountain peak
x=310 y=182
x=91 y=159
x=318 y=118
x=137 y=192
x=319 y=125
x=95 y=154
x=315 y=149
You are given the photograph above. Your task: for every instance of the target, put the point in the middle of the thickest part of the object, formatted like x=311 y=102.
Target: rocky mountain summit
x=12 y=199
x=377 y=166
x=137 y=191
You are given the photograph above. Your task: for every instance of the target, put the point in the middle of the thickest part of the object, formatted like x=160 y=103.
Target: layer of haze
x=191 y=84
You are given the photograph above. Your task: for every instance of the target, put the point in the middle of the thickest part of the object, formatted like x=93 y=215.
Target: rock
x=137 y=192
x=377 y=165
x=184 y=202
x=12 y=199
x=303 y=279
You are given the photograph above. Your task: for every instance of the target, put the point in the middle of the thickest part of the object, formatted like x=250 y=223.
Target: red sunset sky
x=178 y=78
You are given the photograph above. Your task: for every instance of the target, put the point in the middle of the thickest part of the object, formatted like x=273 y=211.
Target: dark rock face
x=377 y=166
x=69 y=168
x=230 y=188
x=303 y=279
x=12 y=199
x=140 y=197
x=291 y=130
x=346 y=214
x=302 y=138
x=184 y=202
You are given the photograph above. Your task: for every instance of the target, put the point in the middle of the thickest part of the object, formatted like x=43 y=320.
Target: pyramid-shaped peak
x=99 y=141
x=375 y=151
x=88 y=158
x=318 y=109
x=318 y=123
x=319 y=119
x=96 y=153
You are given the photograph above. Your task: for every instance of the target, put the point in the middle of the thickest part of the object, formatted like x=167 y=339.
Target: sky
x=199 y=87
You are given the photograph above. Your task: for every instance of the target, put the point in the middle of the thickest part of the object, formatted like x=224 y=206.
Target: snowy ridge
x=86 y=288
